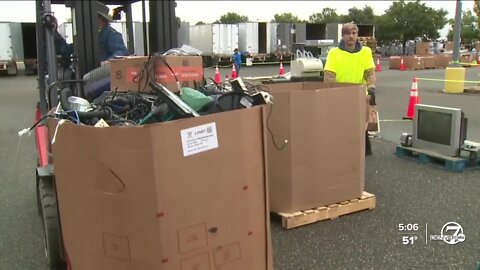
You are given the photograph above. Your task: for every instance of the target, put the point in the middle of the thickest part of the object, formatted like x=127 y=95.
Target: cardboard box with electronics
x=134 y=73
x=163 y=196
x=316 y=147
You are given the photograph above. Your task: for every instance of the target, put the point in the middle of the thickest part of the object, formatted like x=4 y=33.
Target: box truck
x=29 y=42
x=11 y=47
x=257 y=38
x=217 y=41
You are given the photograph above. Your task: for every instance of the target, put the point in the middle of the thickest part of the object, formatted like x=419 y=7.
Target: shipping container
x=316 y=31
x=214 y=39
x=29 y=36
x=183 y=34
x=255 y=37
x=334 y=32
x=288 y=34
x=366 y=30
x=11 y=47
x=65 y=30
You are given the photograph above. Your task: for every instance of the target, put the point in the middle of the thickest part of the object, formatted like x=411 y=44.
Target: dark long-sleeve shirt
x=111 y=44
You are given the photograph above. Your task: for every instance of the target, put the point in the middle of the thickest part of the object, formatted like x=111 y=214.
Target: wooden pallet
x=473 y=90
x=410 y=69
x=453 y=164
x=333 y=211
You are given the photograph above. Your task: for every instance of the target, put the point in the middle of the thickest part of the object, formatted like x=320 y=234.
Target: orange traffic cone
x=234 y=72
x=414 y=100
x=218 y=77
x=402 y=65
x=282 y=70
x=379 y=66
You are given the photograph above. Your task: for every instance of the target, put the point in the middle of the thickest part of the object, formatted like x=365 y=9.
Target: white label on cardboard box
x=199 y=139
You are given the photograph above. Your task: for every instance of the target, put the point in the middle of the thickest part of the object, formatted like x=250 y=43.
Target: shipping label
x=199 y=139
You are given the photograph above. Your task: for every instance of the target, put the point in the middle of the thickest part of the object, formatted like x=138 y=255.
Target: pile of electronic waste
x=133 y=108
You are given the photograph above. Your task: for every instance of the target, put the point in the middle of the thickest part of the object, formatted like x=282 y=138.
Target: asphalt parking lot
x=407 y=192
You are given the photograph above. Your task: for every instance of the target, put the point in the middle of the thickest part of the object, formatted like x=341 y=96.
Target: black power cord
x=279 y=148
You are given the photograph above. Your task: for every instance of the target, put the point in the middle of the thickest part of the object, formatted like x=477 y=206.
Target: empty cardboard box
x=442 y=60
x=181 y=195
x=423 y=48
x=410 y=62
x=316 y=149
x=429 y=61
x=414 y=62
x=395 y=62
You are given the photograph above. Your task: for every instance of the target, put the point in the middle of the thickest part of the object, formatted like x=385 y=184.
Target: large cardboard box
x=395 y=62
x=429 y=61
x=410 y=62
x=423 y=48
x=465 y=59
x=187 y=194
x=323 y=159
x=134 y=73
x=414 y=62
x=442 y=60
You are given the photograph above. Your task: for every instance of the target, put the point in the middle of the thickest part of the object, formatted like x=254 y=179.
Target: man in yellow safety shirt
x=351 y=62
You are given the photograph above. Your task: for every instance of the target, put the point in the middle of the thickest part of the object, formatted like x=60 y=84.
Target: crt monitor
x=439 y=129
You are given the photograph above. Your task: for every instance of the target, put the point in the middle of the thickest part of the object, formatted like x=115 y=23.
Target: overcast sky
x=192 y=11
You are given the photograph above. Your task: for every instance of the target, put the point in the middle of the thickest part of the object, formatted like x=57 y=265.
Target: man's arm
x=116 y=45
x=329 y=76
x=329 y=71
x=370 y=78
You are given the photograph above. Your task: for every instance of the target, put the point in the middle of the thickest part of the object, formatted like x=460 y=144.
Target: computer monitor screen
x=439 y=129
x=434 y=127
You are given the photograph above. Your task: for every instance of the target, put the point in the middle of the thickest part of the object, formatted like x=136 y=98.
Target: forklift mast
x=162 y=36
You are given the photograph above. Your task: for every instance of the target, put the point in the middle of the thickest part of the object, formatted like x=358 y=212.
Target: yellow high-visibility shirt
x=349 y=67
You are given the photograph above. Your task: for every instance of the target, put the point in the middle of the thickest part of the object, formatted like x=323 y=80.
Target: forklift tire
x=51 y=224
x=39 y=202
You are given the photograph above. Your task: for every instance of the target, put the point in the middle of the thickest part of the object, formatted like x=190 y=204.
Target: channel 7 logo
x=451 y=233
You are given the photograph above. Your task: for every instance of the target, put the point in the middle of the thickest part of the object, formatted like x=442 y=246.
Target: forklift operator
x=110 y=41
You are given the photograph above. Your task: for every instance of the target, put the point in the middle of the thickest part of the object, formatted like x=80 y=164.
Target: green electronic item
x=195 y=99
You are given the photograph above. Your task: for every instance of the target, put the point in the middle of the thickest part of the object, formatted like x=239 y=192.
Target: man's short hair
x=346 y=28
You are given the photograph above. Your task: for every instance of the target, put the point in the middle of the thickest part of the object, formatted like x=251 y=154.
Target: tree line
x=402 y=21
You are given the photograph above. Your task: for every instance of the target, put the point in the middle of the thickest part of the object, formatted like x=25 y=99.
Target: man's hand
x=371 y=93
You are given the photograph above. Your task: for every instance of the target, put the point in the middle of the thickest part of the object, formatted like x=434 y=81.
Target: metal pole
x=144 y=29
x=456 y=34
x=41 y=55
x=51 y=55
x=163 y=26
x=129 y=22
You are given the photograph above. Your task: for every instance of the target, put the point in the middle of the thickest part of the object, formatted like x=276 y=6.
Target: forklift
x=83 y=68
